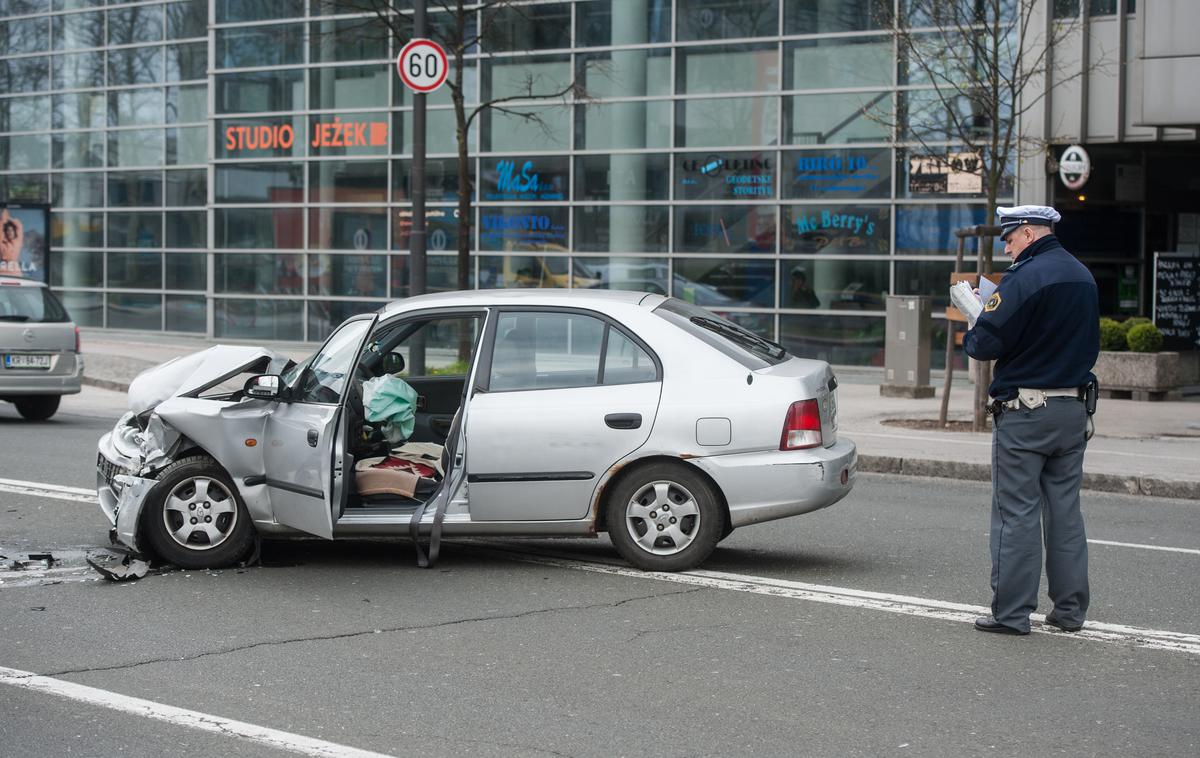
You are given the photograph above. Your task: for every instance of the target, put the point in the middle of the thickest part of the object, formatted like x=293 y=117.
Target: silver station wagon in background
x=39 y=349
x=531 y=413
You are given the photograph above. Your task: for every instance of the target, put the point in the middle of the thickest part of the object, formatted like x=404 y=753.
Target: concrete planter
x=1140 y=376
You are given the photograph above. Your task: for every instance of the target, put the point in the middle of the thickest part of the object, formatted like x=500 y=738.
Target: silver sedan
x=531 y=413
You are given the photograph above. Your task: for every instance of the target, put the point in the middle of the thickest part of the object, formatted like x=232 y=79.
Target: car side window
x=625 y=362
x=543 y=350
x=325 y=378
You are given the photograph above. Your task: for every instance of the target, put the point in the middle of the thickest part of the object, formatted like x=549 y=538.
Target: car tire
x=221 y=533
x=665 y=517
x=38 y=407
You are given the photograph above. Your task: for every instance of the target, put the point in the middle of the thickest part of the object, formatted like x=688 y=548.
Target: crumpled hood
x=197 y=372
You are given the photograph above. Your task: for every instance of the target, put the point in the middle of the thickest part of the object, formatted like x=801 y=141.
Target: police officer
x=1041 y=326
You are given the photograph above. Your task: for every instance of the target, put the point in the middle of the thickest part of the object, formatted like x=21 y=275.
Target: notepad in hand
x=965 y=299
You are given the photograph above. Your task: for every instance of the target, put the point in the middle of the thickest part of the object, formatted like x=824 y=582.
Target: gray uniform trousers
x=1037 y=468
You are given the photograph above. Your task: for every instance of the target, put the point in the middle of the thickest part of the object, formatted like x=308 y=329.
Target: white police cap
x=1034 y=215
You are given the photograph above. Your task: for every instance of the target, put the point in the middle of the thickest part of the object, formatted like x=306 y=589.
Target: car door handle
x=624 y=420
x=313 y=437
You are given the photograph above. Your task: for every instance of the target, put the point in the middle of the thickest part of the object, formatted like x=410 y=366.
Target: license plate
x=27 y=361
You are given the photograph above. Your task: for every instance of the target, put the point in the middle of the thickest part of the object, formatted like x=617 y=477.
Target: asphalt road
x=502 y=651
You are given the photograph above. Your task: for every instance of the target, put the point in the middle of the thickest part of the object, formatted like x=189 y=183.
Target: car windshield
x=30 y=304
x=737 y=342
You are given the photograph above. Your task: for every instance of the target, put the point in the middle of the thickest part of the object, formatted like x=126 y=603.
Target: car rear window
x=30 y=304
x=744 y=346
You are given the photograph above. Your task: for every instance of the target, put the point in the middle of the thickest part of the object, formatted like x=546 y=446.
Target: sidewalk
x=1140 y=447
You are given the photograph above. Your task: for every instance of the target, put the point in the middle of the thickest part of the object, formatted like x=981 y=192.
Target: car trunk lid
x=814 y=380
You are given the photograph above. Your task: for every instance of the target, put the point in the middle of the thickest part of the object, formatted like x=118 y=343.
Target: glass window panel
x=187 y=104
x=186 y=271
x=260 y=91
x=403 y=96
x=262 y=10
x=259 y=183
x=725 y=282
x=599 y=23
x=27 y=151
x=931 y=278
x=350 y=86
x=24 y=75
x=135 y=189
x=822 y=16
x=77 y=268
x=26 y=35
x=79 y=190
x=725 y=229
x=725 y=176
x=186 y=147
x=24 y=114
x=546 y=351
x=259 y=319
x=838 y=63
x=187 y=61
x=622 y=228
x=31 y=188
x=77 y=229
x=958 y=117
x=945 y=12
x=82 y=110
x=836 y=229
x=347 y=275
x=616 y=126
x=187 y=19
x=135 y=107
x=528 y=27
x=934 y=173
x=638 y=176
x=78 y=150
x=441 y=229
x=326 y=315
x=540 y=179
x=441 y=274
x=441 y=132
x=347 y=182
x=520 y=271
x=831 y=284
x=841 y=341
x=186 y=313
x=187 y=187
x=621 y=273
x=349 y=39
x=270 y=228
x=78 y=30
x=844 y=173
x=136 y=147
x=526 y=228
x=276 y=45
x=135 y=270
x=347 y=228
x=135 y=65
x=727 y=121
x=60 y=5
x=929 y=229
x=727 y=68
x=836 y=118
x=257 y=273
x=130 y=311
x=134 y=229
x=186 y=229
x=137 y=23
x=526 y=77
x=441 y=179
x=625 y=73
x=79 y=70
x=548 y=129
x=353 y=134
x=86 y=308
x=268 y=137
x=726 y=19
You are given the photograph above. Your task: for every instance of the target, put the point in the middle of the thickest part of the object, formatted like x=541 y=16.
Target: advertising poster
x=24 y=240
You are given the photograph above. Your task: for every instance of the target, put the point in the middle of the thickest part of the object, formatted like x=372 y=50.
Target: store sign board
x=726 y=176
x=950 y=174
x=541 y=179
x=839 y=173
x=325 y=133
x=1074 y=167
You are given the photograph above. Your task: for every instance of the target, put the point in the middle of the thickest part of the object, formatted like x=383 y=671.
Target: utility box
x=906 y=360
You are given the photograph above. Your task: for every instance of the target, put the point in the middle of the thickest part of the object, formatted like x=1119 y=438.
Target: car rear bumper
x=64 y=377
x=775 y=484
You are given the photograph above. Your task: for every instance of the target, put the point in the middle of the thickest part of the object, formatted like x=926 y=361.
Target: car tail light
x=77 y=350
x=802 y=427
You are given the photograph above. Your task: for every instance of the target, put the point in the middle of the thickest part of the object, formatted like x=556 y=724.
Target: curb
x=105 y=384
x=981 y=472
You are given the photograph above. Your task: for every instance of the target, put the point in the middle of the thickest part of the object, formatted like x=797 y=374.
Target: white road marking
x=57 y=491
x=1187 y=550
x=878 y=601
x=262 y=735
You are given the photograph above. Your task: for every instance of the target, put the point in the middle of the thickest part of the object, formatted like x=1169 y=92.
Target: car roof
x=9 y=281
x=575 y=298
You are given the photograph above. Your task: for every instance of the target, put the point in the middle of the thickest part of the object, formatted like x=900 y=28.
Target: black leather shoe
x=990 y=624
x=1052 y=621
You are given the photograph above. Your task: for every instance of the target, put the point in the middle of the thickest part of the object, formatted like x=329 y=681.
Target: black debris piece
x=129 y=568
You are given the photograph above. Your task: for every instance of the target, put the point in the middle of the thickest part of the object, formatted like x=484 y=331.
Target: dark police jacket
x=1042 y=325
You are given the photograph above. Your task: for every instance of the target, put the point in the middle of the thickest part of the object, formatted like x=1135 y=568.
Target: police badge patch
x=993 y=303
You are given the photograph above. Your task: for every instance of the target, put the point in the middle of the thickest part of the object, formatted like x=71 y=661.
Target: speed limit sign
x=422 y=65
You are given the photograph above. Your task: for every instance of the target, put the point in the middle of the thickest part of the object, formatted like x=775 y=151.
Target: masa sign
x=1074 y=167
x=422 y=65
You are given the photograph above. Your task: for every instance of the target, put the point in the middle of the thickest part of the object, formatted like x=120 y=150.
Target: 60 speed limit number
x=422 y=65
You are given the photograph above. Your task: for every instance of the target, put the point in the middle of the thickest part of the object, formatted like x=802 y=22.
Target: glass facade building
x=240 y=168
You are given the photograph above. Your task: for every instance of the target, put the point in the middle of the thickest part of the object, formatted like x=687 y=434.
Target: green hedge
x=1145 y=338
x=1112 y=336
x=1133 y=321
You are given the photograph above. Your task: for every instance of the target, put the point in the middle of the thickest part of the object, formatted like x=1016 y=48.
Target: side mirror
x=263 y=386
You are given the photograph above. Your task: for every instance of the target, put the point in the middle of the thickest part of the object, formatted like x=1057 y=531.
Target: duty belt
x=1031 y=399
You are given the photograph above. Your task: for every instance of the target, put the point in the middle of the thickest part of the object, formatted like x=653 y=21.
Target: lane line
x=1188 y=550
x=1156 y=639
x=56 y=491
x=261 y=735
